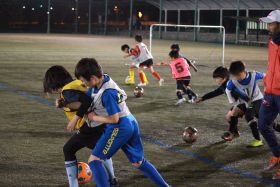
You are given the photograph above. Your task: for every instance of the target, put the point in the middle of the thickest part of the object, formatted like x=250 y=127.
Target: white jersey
x=144 y=55
x=98 y=107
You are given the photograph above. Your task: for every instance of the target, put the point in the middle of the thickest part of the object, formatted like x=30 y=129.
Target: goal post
x=222 y=28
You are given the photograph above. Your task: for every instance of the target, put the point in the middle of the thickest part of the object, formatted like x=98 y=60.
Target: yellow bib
x=78 y=86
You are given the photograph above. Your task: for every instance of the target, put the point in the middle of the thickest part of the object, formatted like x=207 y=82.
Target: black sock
x=190 y=93
x=179 y=95
x=233 y=125
x=254 y=128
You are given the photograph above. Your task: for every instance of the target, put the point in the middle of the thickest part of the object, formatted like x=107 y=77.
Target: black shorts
x=84 y=137
x=148 y=63
x=183 y=83
x=252 y=111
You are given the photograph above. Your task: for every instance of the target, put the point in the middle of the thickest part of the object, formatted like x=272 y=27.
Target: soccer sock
x=145 y=78
x=141 y=77
x=131 y=74
x=254 y=128
x=99 y=173
x=72 y=173
x=156 y=75
x=233 y=124
x=151 y=172
x=179 y=95
x=108 y=164
x=190 y=93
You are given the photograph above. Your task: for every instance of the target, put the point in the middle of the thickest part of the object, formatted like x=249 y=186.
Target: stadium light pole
x=131 y=18
x=89 y=16
x=195 y=20
x=160 y=18
x=105 y=17
x=237 y=22
x=76 y=16
x=49 y=17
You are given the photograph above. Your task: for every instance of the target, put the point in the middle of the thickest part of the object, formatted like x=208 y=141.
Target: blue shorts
x=125 y=135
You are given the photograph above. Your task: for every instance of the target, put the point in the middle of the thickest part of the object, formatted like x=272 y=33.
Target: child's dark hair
x=221 y=72
x=175 y=47
x=88 y=67
x=55 y=78
x=125 y=46
x=174 y=54
x=138 y=38
x=236 y=67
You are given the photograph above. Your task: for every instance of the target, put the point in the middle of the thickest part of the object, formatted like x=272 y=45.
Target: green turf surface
x=32 y=134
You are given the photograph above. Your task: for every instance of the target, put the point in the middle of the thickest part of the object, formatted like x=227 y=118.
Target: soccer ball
x=190 y=135
x=138 y=91
x=84 y=173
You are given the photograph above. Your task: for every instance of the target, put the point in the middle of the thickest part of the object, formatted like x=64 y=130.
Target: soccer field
x=33 y=133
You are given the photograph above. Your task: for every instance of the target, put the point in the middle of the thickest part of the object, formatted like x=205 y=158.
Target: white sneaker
x=180 y=101
x=142 y=84
x=160 y=82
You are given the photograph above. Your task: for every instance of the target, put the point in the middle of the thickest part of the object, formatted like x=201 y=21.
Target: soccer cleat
x=142 y=84
x=129 y=81
x=276 y=176
x=255 y=143
x=273 y=163
x=160 y=82
x=114 y=182
x=228 y=136
x=180 y=101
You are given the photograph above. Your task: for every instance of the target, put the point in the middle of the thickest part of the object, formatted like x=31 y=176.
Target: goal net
x=202 y=43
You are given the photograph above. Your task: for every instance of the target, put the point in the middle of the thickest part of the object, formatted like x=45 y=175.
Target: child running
x=121 y=128
x=145 y=60
x=75 y=103
x=135 y=64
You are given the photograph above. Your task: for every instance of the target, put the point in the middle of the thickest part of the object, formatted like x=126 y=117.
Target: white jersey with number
x=145 y=54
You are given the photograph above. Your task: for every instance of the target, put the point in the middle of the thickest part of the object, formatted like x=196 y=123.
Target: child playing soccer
x=145 y=59
x=221 y=77
x=181 y=73
x=245 y=83
x=121 y=128
x=135 y=64
x=176 y=47
x=75 y=103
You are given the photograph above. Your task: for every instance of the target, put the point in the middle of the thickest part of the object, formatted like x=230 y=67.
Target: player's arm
x=260 y=75
x=217 y=92
x=134 y=52
x=191 y=64
x=110 y=99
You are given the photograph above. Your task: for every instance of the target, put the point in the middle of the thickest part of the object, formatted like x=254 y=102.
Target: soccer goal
x=217 y=50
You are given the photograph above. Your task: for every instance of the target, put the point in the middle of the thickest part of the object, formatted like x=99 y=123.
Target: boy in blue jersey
x=121 y=128
x=75 y=102
x=245 y=84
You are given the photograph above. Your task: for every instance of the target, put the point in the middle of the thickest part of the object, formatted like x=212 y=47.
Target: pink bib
x=180 y=68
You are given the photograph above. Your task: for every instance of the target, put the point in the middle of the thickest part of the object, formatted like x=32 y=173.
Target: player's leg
x=131 y=78
x=110 y=142
x=135 y=153
x=179 y=92
x=187 y=90
x=268 y=113
x=141 y=76
x=149 y=63
x=108 y=163
x=232 y=118
x=69 y=149
x=251 y=113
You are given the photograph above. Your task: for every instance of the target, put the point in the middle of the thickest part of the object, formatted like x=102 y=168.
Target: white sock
x=109 y=168
x=72 y=173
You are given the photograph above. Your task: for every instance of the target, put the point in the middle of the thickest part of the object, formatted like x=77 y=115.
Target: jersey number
x=179 y=67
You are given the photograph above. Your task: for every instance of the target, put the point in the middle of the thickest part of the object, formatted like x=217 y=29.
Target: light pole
x=76 y=16
x=105 y=17
x=49 y=17
x=237 y=22
x=131 y=18
x=89 y=16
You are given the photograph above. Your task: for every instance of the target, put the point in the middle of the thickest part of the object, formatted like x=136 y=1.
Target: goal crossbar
x=192 y=26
